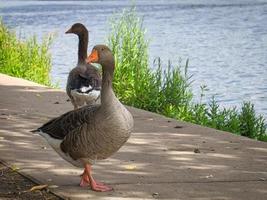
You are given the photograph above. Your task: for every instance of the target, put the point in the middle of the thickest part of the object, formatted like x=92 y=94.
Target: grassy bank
x=167 y=90
x=25 y=59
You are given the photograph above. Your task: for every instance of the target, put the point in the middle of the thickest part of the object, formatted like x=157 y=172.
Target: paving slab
x=163 y=159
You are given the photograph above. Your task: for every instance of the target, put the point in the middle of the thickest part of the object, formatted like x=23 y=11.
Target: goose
x=92 y=132
x=84 y=81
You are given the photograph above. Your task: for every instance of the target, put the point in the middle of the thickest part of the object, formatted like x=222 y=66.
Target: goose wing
x=61 y=126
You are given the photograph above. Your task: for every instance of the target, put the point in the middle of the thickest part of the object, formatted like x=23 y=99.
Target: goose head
x=78 y=29
x=102 y=55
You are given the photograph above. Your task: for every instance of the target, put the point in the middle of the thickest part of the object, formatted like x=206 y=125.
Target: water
x=225 y=41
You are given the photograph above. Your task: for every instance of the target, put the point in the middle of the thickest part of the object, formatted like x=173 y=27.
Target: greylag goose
x=84 y=81
x=92 y=132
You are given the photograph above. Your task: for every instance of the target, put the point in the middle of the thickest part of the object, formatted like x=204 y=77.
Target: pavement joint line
x=190 y=182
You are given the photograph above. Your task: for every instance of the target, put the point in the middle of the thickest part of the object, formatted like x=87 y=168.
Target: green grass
x=243 y=122
x=167 y=90
x=25 y=59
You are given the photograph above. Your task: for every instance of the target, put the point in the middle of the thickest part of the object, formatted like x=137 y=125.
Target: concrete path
x=164 y=158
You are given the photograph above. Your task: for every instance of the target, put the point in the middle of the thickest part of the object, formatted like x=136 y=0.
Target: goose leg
x=84 y=179
x=87 y=179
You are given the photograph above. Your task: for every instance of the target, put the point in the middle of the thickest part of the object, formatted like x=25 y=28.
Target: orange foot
x=88 y=180
x=100 y=187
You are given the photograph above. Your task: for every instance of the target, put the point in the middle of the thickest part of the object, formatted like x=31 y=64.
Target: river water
x=225 y=41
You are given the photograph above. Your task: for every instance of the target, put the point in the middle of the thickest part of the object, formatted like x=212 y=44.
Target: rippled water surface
x=225 y=41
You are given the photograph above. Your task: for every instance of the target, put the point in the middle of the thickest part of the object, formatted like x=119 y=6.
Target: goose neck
x=107 y=94
x=82 y=49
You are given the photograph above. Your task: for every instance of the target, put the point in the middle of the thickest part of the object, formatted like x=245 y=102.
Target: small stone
x=196 y=150
x=155 y=195
x=56 y=102
x=209 y=176
x=130 y=167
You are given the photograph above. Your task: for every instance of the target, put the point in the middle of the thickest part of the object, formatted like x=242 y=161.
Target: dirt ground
x=14 y=186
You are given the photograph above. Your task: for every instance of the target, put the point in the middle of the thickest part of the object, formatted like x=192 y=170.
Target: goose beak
x=93 y=57
x=68 y=31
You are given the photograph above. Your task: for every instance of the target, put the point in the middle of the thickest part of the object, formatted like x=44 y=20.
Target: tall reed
x=134 y=82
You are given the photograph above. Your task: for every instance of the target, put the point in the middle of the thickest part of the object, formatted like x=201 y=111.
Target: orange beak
x=93 y=57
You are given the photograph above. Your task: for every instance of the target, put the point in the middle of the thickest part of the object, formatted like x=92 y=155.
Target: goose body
x=89 y=133
x=83 y=86
x=93 y=132
x=84 y=81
